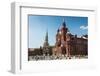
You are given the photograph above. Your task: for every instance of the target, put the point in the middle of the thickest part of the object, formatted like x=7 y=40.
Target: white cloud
x=83 y=27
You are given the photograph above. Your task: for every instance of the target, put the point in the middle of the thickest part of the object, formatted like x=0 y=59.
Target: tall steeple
x=46 y=45
x=46 y=40
x=46 y=37
x=64 y=24
x=64 y=30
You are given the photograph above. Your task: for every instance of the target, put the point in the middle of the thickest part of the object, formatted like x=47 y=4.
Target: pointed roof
x=46 y=37
x=58 y=30
x=64 y=23
x=46 y=40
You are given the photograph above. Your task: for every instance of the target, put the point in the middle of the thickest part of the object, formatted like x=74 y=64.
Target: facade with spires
x=69 y=45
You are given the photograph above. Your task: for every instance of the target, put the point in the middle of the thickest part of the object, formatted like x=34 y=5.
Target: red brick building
x=68 y=44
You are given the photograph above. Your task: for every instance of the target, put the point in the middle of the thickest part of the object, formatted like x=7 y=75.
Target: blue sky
x=38 y=25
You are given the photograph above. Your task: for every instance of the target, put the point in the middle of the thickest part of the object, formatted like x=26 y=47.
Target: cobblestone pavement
x=35 y=58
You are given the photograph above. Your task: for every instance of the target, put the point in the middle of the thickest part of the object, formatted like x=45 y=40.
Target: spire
x=64 y=24
x=58 y=31
x=46 y=45
x=46 y=37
